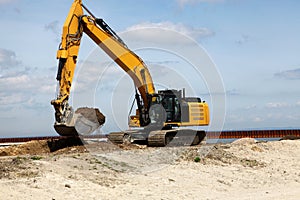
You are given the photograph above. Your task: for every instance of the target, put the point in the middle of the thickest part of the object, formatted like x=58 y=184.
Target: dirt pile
x=31 y=148
x=92 y=114
x=64 y=146
x=221 y=154
x=37 y=147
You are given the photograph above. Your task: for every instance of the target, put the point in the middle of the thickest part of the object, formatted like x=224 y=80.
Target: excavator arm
x=68 y=52
x=75 y=25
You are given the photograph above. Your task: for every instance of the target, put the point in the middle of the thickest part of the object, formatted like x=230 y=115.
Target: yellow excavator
x=161 y=116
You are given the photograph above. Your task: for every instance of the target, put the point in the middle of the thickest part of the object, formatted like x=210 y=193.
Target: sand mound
x=263 y=170
x=244 y=141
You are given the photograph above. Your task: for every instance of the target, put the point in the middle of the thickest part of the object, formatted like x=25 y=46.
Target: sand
x=245 y=169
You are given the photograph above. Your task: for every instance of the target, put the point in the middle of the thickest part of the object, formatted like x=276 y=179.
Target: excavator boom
x=75 y=25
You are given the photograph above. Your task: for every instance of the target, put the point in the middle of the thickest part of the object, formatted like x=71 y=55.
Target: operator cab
x=170 y=100
x=170 y=107
x=165 y=107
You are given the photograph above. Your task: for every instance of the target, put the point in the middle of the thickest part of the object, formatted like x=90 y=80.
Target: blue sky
x=253 y=44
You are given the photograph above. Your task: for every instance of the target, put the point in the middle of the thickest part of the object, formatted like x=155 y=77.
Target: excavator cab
x=170 y=108
x=170 y=100
x=165 y=107
x=181 y=110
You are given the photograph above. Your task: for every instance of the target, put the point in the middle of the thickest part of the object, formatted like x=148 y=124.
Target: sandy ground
x=244 y=169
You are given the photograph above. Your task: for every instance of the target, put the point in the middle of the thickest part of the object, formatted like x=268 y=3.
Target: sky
x=247 y=53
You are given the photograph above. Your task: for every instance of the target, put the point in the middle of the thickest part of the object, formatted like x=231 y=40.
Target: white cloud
x=258 y=119
x=235 y=118
x=8 y=99
x=15 y=77
x=164 y=32
x=289 y=74
x=22 y=83
x=250 y=107
x=233 y=92
x=8 y=59
x=277 y=105
x=48 y=88
x=15 y=81
x=293 y=117
x=89 y=74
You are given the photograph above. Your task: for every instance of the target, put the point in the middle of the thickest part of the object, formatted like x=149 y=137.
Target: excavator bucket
x=65 y=130
x=83 y=122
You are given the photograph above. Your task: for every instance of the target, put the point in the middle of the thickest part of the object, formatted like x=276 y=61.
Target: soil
x=92 y=114
x=244 y=169
x=37 y=147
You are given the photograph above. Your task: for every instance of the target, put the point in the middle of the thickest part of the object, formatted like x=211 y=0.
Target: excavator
x=161 y=117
